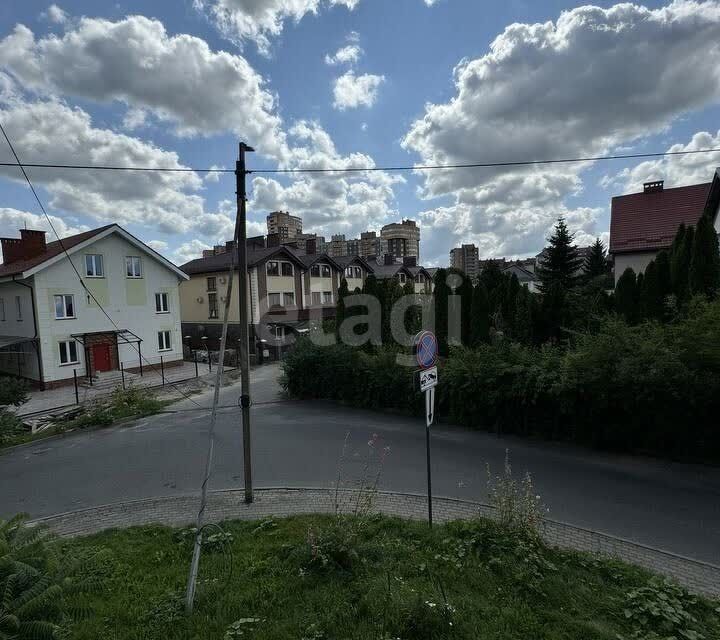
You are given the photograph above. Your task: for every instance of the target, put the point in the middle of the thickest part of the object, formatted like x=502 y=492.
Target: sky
x=352 y=83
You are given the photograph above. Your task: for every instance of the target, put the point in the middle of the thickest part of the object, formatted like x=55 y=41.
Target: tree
x=681 y=256
x=493 y=279
x=465 y=291
x=560 y=261
x=524 y=322
x=595 y=264
x=509 y=301
x=705 y=260
x=442 y=296
x=651 y=295
x=553 y=310
x=479 y=316
x=626 y=296
x=340 y=309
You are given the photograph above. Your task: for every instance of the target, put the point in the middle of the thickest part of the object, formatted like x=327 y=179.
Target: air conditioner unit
x=199 y=299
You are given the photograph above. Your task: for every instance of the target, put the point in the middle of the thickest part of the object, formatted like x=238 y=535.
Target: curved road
x=671 y=506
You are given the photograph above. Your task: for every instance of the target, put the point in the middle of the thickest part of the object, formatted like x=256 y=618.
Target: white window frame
x=315 y=271
x=358 y=273
x=327 y=297
x=314 y=295
x=291 y=302
x=64 y=347
x=212 y=279
x=64 y=298
x=348 y=272
x=161 y=297
x=267 y=268
x=96 y=260
x=325 y=269
x=292 y=270
x=18 y=308
x=164 y=340
x=213 y=313
x=271 y=297
x=130 y=266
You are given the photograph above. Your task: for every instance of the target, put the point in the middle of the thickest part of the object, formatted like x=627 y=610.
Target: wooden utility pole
x=241 y=236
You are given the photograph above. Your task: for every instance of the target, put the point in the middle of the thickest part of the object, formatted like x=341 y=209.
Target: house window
x=289 y=299
x=133 y=267
x=315 y=271
x=164 y=341
x=212 y=284
x=212 y=306
x=18 y=308
x=273 y=268
x=358 y=272
x=316 y=297
x=161 y=303
x=287 y=269
x=2 y=309
x=68 y=352
x=94 y=266
x=64 y=307
x=349 y=272
x=325 y=271
x=274 y=300
x=401 y=276
x=420 y=279
x=327 y=297
x=277 y=332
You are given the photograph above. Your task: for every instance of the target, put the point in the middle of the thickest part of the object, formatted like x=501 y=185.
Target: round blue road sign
x=426 y=349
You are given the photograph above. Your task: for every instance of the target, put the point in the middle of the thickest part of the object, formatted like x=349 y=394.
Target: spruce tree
x=652 y=299
x=560 y=262
x=441 y=294
x=705 y=260
x=523 y=324
x=493 y=279
x=595 y=264
x=509 y=301
x=480 y=316
x=680 y=262
x=465 y=291
x=626 y=296
x=553 y=310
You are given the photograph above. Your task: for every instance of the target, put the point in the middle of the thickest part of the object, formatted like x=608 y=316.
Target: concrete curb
x=697 y=576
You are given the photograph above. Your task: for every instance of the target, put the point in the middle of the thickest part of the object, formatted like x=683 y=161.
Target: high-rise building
x=287 y=227
x=371 y=244
x=338 y=246
x=467 y=259
x=403 y=238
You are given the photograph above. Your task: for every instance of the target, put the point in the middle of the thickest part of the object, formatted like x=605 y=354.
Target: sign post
x=426 y=351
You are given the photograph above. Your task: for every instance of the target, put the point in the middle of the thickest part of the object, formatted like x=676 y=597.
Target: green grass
x=274 y=581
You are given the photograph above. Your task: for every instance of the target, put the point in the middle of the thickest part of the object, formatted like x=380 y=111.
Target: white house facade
x=100 y=300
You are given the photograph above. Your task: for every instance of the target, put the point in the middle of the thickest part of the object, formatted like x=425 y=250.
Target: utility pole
x=241 y=239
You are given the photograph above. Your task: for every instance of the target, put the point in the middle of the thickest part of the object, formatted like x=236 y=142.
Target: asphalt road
x=671 y=506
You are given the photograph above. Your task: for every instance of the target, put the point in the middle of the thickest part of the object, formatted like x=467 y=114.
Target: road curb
x=227 y=504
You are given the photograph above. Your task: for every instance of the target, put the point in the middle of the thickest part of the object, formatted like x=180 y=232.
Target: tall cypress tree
x=553 y=310
x=560 y=262
x=509 y=301
x=595 y=264
x=340 y=309
x=493 y=279
x=626 y=296
x=442 y=294
x=524 y=323
x=651 y=295
x=465 y=291
x=479 y=316
x=662 y=261
x=681 y=255
x=705 y=260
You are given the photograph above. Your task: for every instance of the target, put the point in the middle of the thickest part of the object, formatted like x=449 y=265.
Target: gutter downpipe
x=35 y=326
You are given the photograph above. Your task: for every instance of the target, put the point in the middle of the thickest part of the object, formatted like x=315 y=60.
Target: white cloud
x=560 y=89
x=349 y=54
x=55 y=14
x=260 y=20
x=676 y=171
x=134 y=119
x=351 y=91
x=189 y=251
x=177 y=78
x=12 y=220
x=158 y=245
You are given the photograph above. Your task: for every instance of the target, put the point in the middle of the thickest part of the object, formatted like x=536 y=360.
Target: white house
x=124 y=307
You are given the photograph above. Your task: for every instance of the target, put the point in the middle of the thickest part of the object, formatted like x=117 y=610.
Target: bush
x=10 y=427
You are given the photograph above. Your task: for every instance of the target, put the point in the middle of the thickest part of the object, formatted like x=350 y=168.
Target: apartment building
x=403 y=238
x=286 y=226
x=466 y=258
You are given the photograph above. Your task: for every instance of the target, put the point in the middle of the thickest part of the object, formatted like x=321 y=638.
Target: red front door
x=101 y=357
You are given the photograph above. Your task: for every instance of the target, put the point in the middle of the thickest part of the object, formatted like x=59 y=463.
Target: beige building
x=403 y=238
x=287 y=227
x=466 y=258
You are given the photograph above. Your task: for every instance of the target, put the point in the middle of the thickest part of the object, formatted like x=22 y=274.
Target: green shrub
x=11 y=427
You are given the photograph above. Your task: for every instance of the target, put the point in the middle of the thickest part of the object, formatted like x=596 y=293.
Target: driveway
x=671 y=506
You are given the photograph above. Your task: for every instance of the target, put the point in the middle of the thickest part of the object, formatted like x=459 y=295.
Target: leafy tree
x=595 y=264
x=442 y=295
x=681 y=257
x=13 y=391
x=479 y=316
x=626 y=296
x=553 y=310
x=560 y=262
x=705 y=261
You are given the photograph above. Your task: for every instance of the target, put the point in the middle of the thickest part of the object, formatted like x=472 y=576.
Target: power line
x=419 y=167
x=74 y=268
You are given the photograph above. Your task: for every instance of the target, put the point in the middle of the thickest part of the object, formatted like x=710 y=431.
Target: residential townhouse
x=53 y=326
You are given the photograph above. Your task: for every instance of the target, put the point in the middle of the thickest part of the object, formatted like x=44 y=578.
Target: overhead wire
x=72 y=264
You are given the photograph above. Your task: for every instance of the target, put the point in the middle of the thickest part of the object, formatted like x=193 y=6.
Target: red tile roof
x=649 y=221
x=53 y=249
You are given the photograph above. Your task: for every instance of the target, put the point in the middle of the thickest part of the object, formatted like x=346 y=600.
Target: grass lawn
x=318 y=577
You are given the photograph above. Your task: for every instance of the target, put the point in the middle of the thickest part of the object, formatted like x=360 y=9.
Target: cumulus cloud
x=11 y=220
x=177 y=78
x=189 y=251
x=349 y=54
x=352 y=91
x=261 y=20
x=157 y=245
x=560 y=89
x=55 y=14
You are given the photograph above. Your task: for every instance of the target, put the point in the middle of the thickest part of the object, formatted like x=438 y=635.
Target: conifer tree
x=479 y=316
x=524 y=323
x=553 y=310
x=441 y=294
x=465 y=291
x=651 y=295
x=560 y=262
x=626 y=296
x=595 y=264
x=680 y=262
x=340 y=309
x=705 y=261
x=509 y=301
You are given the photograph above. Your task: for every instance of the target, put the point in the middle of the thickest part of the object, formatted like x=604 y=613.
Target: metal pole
x=241 y=238
x=196 y=365
x=162 y=370
x=140 y=357
x=122 y=373
x=429 y=400
x=77 y=396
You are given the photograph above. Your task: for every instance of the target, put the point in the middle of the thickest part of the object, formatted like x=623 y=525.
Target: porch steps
x=103 y=381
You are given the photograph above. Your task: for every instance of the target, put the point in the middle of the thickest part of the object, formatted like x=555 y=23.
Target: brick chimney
x=389 y=259
x=410 y=261
x=273 y=240
x=311 y=246
x=30 y=244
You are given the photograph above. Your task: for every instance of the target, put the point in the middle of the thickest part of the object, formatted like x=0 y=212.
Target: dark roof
x=53 y=249
x=649 y=221
x=311 y=258
x=521 y=272
x=383 y=271
x=222 y=261
x=344 y=261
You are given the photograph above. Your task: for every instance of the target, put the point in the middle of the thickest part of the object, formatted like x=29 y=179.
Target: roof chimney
x=388 y=259
x=410 y=261
x=273 y=240
x=653 y=187
x=30 y=245
x=311 y=246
